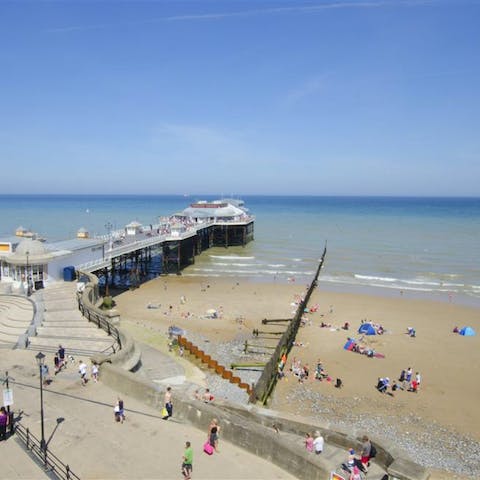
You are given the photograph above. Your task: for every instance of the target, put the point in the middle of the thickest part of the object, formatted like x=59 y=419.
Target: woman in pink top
x=309 y=442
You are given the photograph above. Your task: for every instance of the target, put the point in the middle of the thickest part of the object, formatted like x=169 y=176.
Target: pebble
x=429 y=444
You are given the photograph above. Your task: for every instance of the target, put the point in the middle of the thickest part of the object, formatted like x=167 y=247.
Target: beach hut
x=367 y=329
x=467 y=331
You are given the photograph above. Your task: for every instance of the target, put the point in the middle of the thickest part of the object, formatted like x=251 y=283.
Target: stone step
x=12 y=330
x=87 y=336
x=10 y=337
x=72 y=347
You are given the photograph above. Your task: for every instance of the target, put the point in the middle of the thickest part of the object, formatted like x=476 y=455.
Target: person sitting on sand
x=411 y=332
x=383 y=384
x=346 y=326
x=456 y=330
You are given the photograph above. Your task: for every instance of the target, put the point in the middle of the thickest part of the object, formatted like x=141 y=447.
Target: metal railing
x=101 y=321
x=52 y=464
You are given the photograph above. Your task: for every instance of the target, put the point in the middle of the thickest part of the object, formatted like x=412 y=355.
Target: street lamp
x=27 y=275
x=40 y=362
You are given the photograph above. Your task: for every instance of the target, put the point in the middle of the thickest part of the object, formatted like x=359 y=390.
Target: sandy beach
x=441 y=416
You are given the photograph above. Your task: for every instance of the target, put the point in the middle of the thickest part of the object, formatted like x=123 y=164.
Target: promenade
x=94 y=446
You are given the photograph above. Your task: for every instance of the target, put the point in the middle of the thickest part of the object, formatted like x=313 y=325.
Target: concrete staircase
x=16 y=315
x=333 y=457
x=61 y=323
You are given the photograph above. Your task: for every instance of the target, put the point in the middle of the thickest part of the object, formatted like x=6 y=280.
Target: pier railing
x=54 y=467
x=265 y=384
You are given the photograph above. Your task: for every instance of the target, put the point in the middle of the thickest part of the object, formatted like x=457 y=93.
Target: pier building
x=122 y=257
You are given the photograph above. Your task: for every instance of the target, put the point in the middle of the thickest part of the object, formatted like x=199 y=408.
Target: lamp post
x=108 y=226
x=40 y=362
x=27 y=275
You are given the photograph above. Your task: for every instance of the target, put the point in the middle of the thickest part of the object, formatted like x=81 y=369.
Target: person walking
x=95 y=372
x=4 y=420
x=213 y=433
x=318 y=443
x=168 y=403
x=61 y=357
x=82 y=370
x=187 y=461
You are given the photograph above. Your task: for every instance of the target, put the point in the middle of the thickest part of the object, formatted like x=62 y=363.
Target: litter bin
x=69 y=274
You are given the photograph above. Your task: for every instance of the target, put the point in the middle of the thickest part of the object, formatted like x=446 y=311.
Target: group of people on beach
x=406 y=381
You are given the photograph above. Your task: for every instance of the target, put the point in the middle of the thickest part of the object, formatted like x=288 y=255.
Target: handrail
x=89 y=311
x=50 y=461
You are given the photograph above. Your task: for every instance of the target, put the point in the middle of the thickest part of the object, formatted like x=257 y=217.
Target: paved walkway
x=95 y=446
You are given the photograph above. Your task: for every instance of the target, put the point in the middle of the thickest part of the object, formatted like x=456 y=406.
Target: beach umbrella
x=211 y=311
x=467 y=331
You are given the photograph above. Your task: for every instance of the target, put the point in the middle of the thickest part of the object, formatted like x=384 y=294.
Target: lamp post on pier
x=27 y=275
x=109 y=227
x=41 y=362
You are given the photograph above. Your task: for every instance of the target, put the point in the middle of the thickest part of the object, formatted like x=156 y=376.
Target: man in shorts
x=187 y=464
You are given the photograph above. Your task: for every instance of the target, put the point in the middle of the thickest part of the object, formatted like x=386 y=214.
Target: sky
x=317 y=97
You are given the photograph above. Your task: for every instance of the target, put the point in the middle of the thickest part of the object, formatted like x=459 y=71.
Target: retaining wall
x=250 y=428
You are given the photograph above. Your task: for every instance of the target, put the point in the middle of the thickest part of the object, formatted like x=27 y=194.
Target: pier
x=124 y=257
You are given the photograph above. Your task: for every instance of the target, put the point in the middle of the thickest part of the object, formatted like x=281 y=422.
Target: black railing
x=101 y=321
x=52 y=464
x=87 y=299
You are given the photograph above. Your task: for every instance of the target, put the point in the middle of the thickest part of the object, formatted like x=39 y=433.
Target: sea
x=421 y=247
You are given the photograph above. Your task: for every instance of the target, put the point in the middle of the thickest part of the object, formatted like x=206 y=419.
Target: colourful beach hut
x=367 y=329
x=467 y=331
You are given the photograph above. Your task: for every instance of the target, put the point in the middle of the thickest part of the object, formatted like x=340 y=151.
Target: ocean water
x=418 y=246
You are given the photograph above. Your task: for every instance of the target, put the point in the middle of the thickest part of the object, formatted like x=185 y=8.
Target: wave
x=368 y=277
x=280 y=265
x=231 y=257
x=221 y=264
x=257 y=271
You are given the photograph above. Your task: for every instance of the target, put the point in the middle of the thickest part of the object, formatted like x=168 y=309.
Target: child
x=187 y=464
x=95 y=372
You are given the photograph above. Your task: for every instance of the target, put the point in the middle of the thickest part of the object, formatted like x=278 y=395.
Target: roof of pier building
x=33 y=251
x=212 y=210
x=74 y=244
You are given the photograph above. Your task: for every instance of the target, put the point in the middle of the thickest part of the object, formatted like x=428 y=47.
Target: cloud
x=215 y=16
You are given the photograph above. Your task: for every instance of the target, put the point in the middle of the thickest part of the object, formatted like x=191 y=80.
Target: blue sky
x=275 y=97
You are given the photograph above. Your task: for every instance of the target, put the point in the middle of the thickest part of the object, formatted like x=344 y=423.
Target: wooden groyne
x=268 y=379
x=213 y=364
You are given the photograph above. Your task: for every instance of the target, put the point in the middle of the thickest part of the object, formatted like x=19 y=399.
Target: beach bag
x=164 y=413
x=207 y=448
x=373 y=451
